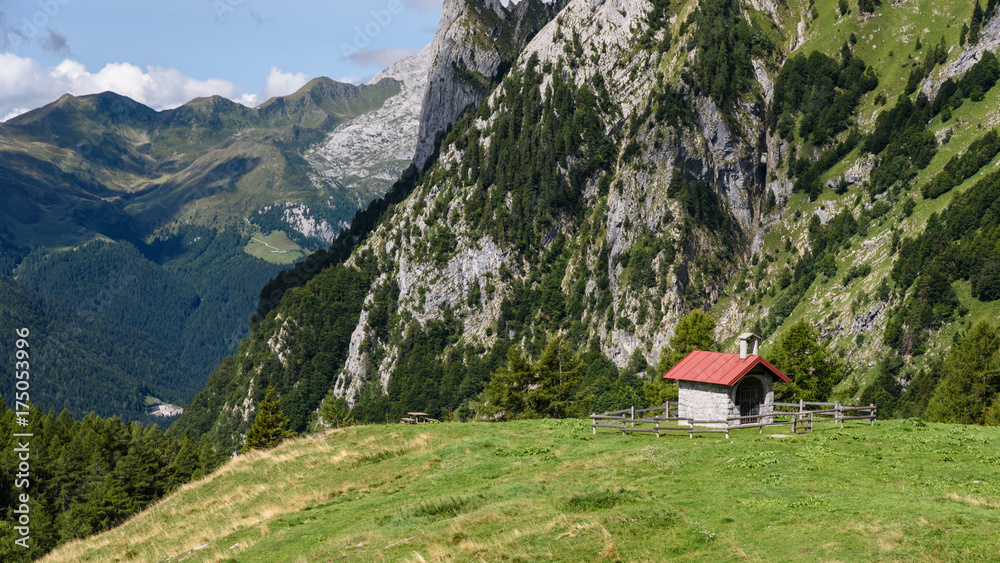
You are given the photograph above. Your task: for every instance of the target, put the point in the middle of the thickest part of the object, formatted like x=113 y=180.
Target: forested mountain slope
x=768 y=163
x=168 y=223
x=85 y=362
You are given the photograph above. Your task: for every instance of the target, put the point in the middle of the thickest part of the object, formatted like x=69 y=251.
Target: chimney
x=748 y=340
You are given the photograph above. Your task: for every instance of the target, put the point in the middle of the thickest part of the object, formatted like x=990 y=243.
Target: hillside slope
x=84 y=362
x=766 y=163
x=548 y=490
x=179 y=296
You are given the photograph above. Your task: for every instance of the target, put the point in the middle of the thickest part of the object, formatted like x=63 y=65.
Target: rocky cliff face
x=373 y=149
x=598 y=192
x=475 y=43
x=732 y=162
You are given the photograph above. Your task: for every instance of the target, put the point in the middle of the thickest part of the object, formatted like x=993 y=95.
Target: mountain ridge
x=206 y=200
x=601 y=218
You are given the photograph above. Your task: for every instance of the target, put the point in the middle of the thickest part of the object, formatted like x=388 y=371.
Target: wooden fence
x=619 y=419
x=801 y=420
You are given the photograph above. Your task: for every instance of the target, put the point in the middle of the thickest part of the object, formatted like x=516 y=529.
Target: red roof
x=719 y=368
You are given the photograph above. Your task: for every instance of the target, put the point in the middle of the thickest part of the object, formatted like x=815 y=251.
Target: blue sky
x=163 y=53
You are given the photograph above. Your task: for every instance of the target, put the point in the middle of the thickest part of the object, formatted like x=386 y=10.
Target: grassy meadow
x=549 y=490
x=275 y=247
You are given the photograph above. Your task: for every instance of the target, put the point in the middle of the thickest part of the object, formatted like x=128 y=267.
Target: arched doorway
x=750 y=399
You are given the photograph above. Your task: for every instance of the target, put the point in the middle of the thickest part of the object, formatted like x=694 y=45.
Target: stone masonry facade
x=710 y=401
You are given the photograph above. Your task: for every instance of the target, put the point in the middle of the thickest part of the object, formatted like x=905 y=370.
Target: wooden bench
x=417 y=418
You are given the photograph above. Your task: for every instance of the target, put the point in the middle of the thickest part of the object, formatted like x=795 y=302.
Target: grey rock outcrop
x=472 y=48
x=989 y=40
x=380 y=144
x=713 y=149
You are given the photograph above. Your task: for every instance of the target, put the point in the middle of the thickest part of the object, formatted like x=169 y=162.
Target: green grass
x=275 y=248
x=548 y=490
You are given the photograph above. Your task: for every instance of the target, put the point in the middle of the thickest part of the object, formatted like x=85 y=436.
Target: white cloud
x=283 y=83
x=425 y=5
x=382 y=57
x=24 y=84
x=356 y=79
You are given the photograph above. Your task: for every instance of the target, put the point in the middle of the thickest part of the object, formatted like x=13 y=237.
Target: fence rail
x=801 y=420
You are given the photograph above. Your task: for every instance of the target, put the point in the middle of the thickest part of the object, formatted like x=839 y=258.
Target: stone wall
x=710 y=401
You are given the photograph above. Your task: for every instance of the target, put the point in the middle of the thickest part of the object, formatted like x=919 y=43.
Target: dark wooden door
x=750 y=398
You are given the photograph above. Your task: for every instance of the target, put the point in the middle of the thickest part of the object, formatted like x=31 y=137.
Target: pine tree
x=810 y=365
x=208 y=459
x=268 y=429
x=137 y=470
x=108 y=504
x=334 y=412
x=976 y=24
x=505 y=396
x=695 y=331
x=971 y=380
x=557 y=373
x=184 y=464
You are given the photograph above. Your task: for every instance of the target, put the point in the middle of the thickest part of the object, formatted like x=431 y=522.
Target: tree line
x=89 y=475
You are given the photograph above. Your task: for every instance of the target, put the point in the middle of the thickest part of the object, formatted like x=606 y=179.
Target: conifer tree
x=184 y=464
x=334 y=412
x=557 y=373
x=269 y=426
x=971 y=380
x=505 y=396
x=810 y=365
x=976 y=24
x=695 y=331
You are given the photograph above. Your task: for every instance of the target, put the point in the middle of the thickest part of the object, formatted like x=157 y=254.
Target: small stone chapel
x=716 y=385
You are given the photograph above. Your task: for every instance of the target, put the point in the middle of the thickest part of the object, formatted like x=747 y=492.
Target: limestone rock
x=379 y=144
x=989 y=40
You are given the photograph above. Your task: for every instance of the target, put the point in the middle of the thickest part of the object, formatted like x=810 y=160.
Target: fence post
x=593 y=421
x=632 y=416
x=802 y=405
x=837 y=414
x=666 y=409
x=871 y=412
